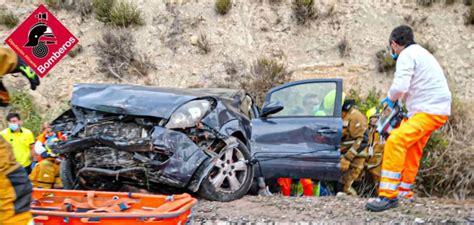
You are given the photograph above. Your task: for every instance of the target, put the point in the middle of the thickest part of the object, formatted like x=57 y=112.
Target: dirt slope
x=253 y=29
x=346 y=210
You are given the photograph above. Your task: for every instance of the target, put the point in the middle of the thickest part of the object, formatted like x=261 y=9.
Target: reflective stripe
x=389 y=186
x=353 y=151
x=403 y=193
x=390 y=174
x=348 y=142
x=405 y=185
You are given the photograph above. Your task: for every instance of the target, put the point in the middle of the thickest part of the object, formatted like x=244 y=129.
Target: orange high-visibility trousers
x=403 y=151
x=285 y=185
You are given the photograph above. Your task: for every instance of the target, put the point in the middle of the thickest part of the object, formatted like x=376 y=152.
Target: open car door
x=301 y=140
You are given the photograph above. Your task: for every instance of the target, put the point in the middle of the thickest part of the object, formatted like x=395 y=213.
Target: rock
x=419 y=220
x=194 y=39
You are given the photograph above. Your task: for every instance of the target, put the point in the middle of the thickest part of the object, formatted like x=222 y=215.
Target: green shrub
x=303 y=10
x=125 y=14
x=223 y=6
x=384 y=61
x=372 y=99
x=8 y=19
x=102 y=9
x=22 y=102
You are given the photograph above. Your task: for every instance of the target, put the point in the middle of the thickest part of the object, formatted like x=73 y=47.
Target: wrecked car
x=155 y=138
x=207 y=141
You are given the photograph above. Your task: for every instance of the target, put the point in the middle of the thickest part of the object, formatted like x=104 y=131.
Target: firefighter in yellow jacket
x=16 y=188
x=352 y=149
x=46 y=172
x=374 y=146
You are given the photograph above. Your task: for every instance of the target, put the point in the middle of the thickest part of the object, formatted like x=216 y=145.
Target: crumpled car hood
x=131 y=99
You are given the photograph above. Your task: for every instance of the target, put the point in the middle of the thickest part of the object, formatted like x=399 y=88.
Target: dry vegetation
x=118 y=56
x=83 y=7
x=344 y=47
x=470 y=14
x=75 y=51
x=8 y=19
x=447 y=169
x=263 y=74
x=203 y=44
x=428 y=46
x=303 y=10
x=384 y=61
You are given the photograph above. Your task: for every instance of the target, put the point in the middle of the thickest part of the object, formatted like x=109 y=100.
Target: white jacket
x=420 y=80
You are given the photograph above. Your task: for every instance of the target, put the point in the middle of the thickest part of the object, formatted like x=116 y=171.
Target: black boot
x=381 y=204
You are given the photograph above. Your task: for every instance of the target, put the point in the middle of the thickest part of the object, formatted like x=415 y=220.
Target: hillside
x=253 y=29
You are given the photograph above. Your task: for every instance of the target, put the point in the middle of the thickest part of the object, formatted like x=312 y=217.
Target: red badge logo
x=41 y=41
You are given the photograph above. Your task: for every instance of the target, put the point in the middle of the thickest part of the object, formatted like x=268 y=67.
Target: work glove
x=345 y=163
x=387 y=101
x=26 y=71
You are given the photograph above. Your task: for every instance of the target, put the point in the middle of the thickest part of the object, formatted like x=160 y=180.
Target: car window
x=308 y=99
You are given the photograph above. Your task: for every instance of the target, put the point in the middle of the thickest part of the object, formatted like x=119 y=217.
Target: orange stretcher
x=106 y=208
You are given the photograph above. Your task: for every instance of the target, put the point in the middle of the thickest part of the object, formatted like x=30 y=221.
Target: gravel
x=346 y=209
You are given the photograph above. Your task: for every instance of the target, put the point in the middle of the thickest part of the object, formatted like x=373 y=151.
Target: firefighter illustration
x=40 y=36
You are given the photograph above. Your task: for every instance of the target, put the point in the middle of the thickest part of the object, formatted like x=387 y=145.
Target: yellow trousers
x=15 y=198
x=403 y=151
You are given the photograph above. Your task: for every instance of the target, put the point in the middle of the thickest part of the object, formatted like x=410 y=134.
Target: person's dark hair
x=402 y=35
x=13 y=115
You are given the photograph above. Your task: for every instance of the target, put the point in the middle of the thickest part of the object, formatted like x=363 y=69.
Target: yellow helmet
x=329 y=100
x=374 y=111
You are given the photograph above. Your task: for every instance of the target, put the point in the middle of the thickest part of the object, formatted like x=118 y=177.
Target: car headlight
x=189 y=114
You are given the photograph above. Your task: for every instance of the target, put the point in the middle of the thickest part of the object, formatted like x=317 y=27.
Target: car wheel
x=70 y=182
x=231 y=176
x=66 y=173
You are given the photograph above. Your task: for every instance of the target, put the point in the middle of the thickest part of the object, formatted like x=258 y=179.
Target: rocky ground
x=324 y=210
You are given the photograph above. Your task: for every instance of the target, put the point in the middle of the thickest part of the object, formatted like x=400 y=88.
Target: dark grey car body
x=119 y=131
x=93 y=103
x=299 y=146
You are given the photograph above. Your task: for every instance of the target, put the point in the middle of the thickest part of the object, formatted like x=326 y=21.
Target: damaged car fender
x=186 y=155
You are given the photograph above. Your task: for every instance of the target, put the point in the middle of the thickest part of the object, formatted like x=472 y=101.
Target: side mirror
x=271 y=108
